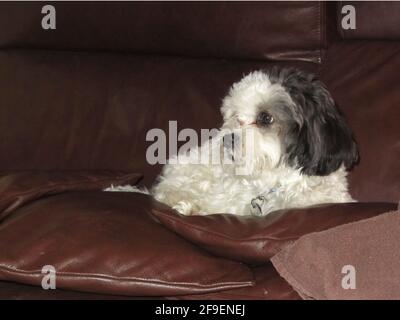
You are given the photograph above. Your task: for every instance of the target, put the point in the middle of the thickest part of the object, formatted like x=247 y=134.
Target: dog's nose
x=230 y=140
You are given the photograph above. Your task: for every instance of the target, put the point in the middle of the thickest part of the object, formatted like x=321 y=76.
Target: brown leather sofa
x=82 y=97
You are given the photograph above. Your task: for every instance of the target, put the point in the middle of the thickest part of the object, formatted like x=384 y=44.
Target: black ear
x=319 y=141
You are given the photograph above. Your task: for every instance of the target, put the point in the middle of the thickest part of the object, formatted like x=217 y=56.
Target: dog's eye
x=264 y=119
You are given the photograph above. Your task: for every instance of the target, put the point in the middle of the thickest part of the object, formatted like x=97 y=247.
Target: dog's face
x=291 y=120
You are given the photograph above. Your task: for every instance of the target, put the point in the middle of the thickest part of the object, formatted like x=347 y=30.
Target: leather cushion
x=93 y=111
x=255 y=240
x=375 y=20
x=269 y=286
x=105 y=242
x=20 y=187
x=362 y=77
x=255 y=30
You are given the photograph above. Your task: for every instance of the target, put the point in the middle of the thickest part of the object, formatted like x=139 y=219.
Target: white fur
x=201 y=189
x=210 y=188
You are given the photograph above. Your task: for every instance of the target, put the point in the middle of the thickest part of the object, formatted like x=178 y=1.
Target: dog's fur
x=302 y=150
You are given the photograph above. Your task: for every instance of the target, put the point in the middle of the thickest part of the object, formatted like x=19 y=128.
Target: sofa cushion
x=255 y=240
x=256 y=30
x=93 y=111
x=105 y=242
x=19 y=291
x=20 y=187
x=362 y=77
x=269 y=285
x=375 y=20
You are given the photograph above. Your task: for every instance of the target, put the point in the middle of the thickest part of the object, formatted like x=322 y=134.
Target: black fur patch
x=318 y=140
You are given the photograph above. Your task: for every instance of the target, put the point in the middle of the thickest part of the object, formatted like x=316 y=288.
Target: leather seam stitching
x=93 y=276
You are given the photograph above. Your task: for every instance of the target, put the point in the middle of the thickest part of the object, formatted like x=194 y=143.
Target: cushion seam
x=70 y=183
x=220 y=234
x=93 y=276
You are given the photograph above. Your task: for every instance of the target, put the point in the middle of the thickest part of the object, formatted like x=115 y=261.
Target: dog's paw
x=183 y=207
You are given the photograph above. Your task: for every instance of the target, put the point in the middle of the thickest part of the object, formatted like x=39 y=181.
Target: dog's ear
x=320 y=141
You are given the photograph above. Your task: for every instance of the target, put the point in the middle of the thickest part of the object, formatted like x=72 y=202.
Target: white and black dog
x=302 y=149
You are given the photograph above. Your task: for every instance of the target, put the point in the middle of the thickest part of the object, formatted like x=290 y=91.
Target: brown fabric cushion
x=314 y=265
x=17 y=188
x=105 y=242
x=255 y=240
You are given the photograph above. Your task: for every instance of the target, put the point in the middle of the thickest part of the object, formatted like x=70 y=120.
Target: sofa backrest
x=255 y=30
x=374 y=20
x=83 y=96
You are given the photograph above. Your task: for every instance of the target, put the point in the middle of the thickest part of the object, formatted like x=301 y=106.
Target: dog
x=302 y=151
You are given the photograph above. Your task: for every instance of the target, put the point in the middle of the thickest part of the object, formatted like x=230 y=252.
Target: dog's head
x=293 y=121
